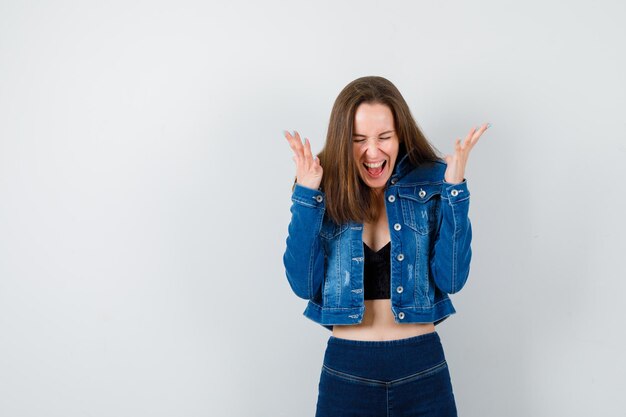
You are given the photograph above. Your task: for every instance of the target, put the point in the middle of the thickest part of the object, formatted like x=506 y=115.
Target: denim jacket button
x=422 y=193
x=401 y=315
x=400 y=257
x=454 y=193
x=391 y=198
x=400 y=289
x=397 y=226
x=394 y=180
x=319 y=198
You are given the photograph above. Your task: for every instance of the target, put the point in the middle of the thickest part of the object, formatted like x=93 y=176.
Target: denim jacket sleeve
x=304 y=255
x=452 y=253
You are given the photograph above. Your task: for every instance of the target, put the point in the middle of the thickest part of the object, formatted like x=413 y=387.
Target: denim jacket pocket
x=331 y=230
x=420 y=206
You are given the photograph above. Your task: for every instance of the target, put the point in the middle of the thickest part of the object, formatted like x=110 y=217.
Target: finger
x=481 y=130
x=298 y=162
x=301 y=146
x=308 y=156
x=295 y=150
x=296 y=144
x=299 y=139
x=478 y=134
x=469 y=137
x=318 y=164
x=292 y=139
x=288 y=136
x=474 y=140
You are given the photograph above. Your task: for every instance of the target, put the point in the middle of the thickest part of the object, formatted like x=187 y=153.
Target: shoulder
x=426 y=172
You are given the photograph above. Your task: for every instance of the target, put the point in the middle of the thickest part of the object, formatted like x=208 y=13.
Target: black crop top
x=376 y=272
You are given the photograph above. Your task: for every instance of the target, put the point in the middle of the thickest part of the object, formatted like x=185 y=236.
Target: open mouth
x=375 y=170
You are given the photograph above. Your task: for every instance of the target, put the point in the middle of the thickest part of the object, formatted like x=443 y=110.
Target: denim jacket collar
x=403 y=166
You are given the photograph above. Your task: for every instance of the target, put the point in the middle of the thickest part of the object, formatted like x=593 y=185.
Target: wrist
x=308 y=185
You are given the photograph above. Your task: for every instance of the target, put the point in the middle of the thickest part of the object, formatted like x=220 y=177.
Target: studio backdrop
x=145 y=189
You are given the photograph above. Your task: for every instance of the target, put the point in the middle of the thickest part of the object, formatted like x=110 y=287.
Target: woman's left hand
x=455 y=171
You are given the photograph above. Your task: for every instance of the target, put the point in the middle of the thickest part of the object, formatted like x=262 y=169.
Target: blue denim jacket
x=430 y=249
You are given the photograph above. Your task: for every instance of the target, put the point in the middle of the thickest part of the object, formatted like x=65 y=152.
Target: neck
x=379 y=195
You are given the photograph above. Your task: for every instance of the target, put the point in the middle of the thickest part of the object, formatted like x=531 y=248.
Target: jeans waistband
x=432 y=336
x=384 y=359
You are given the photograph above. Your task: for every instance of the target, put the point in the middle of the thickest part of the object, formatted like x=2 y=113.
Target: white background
x=145 y=192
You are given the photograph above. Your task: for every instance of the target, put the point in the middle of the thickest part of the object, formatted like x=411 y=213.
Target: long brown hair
x=347 y=196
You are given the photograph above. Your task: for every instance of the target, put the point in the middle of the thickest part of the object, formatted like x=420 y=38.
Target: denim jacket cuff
x=308 y=196
x=455 y=192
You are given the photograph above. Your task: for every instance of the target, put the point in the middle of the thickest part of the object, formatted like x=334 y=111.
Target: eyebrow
x=384 y=133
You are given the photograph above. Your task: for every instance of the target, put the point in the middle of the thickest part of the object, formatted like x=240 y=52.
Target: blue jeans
x=390 y=378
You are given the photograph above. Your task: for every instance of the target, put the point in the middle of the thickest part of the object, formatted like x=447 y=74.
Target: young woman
x=379 y=236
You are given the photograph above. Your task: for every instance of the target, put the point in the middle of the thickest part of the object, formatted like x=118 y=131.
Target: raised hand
x=308 y=169
x=455 y=171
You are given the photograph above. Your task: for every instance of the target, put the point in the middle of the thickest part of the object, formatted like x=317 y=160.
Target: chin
x=375 y=183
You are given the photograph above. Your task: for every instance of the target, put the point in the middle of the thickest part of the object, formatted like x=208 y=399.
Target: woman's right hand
x=308 y=169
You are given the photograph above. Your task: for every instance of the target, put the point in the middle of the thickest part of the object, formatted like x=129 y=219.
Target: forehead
x=372 y=119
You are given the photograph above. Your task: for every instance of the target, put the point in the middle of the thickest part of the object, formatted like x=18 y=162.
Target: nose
x=372 y=148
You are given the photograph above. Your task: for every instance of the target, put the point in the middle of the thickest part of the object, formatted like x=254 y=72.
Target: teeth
x=376 y=165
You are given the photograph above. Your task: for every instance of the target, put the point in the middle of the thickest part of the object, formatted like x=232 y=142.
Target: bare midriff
x=379 y=324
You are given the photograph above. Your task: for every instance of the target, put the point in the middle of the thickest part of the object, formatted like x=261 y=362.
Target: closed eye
x=362 y=140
